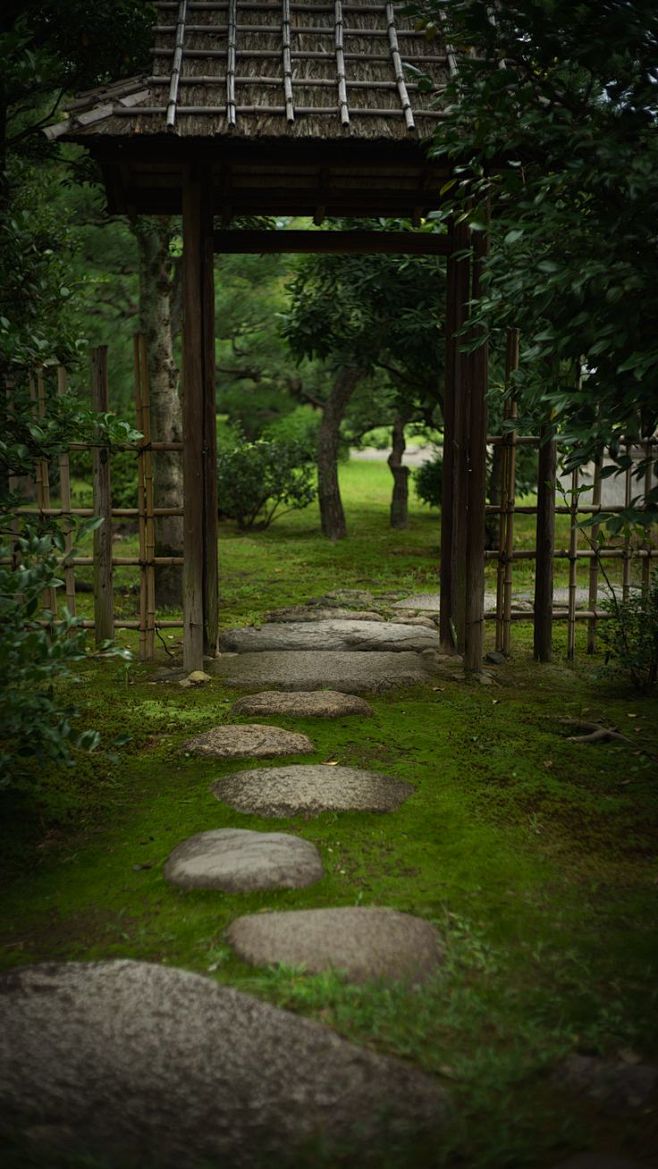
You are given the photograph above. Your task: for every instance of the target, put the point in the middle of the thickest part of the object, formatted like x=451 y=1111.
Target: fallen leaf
x=330 y=763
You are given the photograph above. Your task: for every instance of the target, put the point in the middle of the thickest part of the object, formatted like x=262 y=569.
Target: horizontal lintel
x=332 y=242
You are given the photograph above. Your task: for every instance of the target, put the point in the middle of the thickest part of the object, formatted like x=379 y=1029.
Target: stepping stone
x=303 y=703
x=132 y=1063
x=238 y=861
x=249 y=741
x=613 y=1083
x=277 y=792
x=598 y=1161
x=348 y=672
x=313 y=613
x=365 y=943
x=430 y=601
x=329 y=635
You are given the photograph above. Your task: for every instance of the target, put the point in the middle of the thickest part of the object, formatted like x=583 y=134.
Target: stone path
x=249 y=741
x=151 y=1063
x=351 y=672
x=238 y=861
x=387 y=637
x=308 y=789
x=364 y=942
x=130 y=1060
x=521 y=602
x=303 y=704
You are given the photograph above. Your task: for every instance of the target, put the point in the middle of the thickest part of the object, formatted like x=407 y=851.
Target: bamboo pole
x=340 y=64
x=141 y=494
x=646 y=563
x=593 y=592
x=545 y=541
x=573 y=567
x=103 y=585
x=628 y=495
x=38 y=395
x=508 y=500
x=287 y=61
x=149 y=521
x=65 y=500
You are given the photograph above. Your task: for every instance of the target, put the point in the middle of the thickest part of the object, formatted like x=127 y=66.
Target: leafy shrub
x=299 y=428
x=34 y=726
x=630 y=635
x=257 y=479
x=428 y=482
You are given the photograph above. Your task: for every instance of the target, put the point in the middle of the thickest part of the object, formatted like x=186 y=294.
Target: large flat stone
x=315 y=613
x=278 y=792
x=365 y=943
x=249 y=741
x=349 y=672
x=302 y=703
x=138 y=1065
x=599 y=1161
x=616 y=1085
x=363 y=636
x=236 y=860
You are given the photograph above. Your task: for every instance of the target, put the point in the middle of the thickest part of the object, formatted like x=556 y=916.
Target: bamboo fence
x=145 y=513
x=103 y=561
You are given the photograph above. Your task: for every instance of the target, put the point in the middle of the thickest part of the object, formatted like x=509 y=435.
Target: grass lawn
x=535 y=856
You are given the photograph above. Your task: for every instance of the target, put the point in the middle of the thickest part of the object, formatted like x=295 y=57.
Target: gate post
x=199 y=473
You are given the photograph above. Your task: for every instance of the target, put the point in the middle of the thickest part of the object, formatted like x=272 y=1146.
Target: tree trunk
x=156 y=288
x=332 y=516
x=400 y=497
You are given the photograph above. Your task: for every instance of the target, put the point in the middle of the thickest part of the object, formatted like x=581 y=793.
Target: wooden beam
x=210 y=513
x=476 y=455
x=455 y=474
x=446 y=625
x=332 y=242
x=193 y=421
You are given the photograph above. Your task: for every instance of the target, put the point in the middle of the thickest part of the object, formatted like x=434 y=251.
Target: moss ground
x=535 y=856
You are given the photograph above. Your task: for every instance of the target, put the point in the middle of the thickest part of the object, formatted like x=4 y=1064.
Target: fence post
x=103 y=591
x=543 y=632
x=65 y=500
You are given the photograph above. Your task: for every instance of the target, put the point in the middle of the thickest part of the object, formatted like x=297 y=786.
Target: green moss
x=534 y=855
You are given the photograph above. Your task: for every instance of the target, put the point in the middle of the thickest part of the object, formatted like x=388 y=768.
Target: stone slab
x=364 y=943
x=600 y=1161
x=140 y=1065
x=249 y=741
x=614 y=1084
x=364 y=636
x=315 y=613
x=278 y=792
x=349 y=672
x=236 y=860
x=303 y=704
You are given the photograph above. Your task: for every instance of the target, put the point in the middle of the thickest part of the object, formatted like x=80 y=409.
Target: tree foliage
x=551 y=123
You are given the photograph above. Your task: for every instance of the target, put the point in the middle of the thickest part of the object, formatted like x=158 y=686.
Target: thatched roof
x=280 y=74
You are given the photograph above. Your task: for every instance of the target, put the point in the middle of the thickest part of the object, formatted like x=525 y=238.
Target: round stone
x=129 y=1063
x=364 y=943
x=277 y=792
x=238 y=861
x=302 y=703
x=249 y=741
